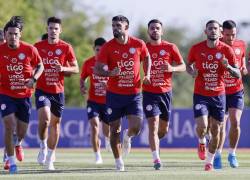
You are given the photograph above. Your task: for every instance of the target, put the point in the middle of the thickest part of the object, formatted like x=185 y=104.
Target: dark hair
x=120 y=18
x=212 y=21
x=154 y=21
x=99 y=41
x=229 y=24
x=15 y=21
x=54 y=20
x=44 y=36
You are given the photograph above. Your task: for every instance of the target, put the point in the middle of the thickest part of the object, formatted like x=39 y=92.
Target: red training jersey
x=52 y=81
x=210 y=79
x=233 y=84
x=161 y=54
x=127 y=57
x=17 y=65
x=98 y=84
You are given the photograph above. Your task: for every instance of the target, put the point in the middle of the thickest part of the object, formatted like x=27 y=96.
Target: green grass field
x=178 y=164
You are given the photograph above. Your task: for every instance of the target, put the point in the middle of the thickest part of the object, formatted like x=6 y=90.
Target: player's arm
x=101 y=69
x=232 y=69
x=83 y=87
x=38 y=70
x=177 y=68
x=190 y=68
x=243 y=69
x=72 y=68
x=147 y=62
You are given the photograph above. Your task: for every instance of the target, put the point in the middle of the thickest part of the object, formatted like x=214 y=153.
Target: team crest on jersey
x=218 y=55
x=237 y=51
x=14 y=60
x=149 y=107
x=125 y=55
x=162 y=52
x=3 y=107
x=132 y=50
x=210 y=57
x=21 y=56
x=154 y=55
x=50 y=53
x=58 y=52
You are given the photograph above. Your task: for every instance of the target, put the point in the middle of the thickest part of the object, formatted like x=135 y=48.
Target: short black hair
x=15 y=21
x=212 y=21
x=120 y=18
x=99 y=41
x=154 y=21
x=229 y=24
x=54 y=19
x=44 y=36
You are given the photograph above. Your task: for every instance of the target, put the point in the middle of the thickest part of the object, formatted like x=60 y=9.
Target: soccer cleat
x=49 y=166
x=208 y=167
x=217 y=164
x=126 y=144
x=19 y=153
x=42 y=156
x=6 y=165
x=232 y=161
x=202 y=151
x=98 y=160
x=120 y=166
x=157 y=164
x=13 y=169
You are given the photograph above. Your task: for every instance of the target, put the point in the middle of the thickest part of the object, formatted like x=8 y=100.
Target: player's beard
x=117 y=34
x=154 y=37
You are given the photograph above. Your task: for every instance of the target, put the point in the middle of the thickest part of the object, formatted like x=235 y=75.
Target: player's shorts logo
x=21 y=56
x=162 y=52
x=58 y=52
x=50 y=53
x=125 y=55
x=197 y=107
x=149 y=107
x=132 y=50
x=3 y=107
x=237 y=51
x=41 y=98
x=109 y=110
x=89 y=109
x=154 y=55
x=210 y=57
x=218 y=55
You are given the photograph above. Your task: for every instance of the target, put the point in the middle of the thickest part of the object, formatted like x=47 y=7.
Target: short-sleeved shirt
x=127 y=57
x=98 y=84
x=233 y=84
x=210 y=79
x=161 y=81
x=52 y=81
x=17 y=65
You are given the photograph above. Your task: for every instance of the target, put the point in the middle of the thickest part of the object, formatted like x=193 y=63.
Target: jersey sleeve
x=144 y=51
x=84 y=73
x=230 y=55
x=191 y=55
x=70 y=57
x=36 y=59
x=177 y=55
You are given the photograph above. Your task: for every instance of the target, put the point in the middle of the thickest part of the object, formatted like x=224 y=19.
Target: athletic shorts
x=155 y=104
x=120 y=105
x=97 y=110
x=20 y=106
x=235 y=100
x=213 y=106
x=54 y=101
